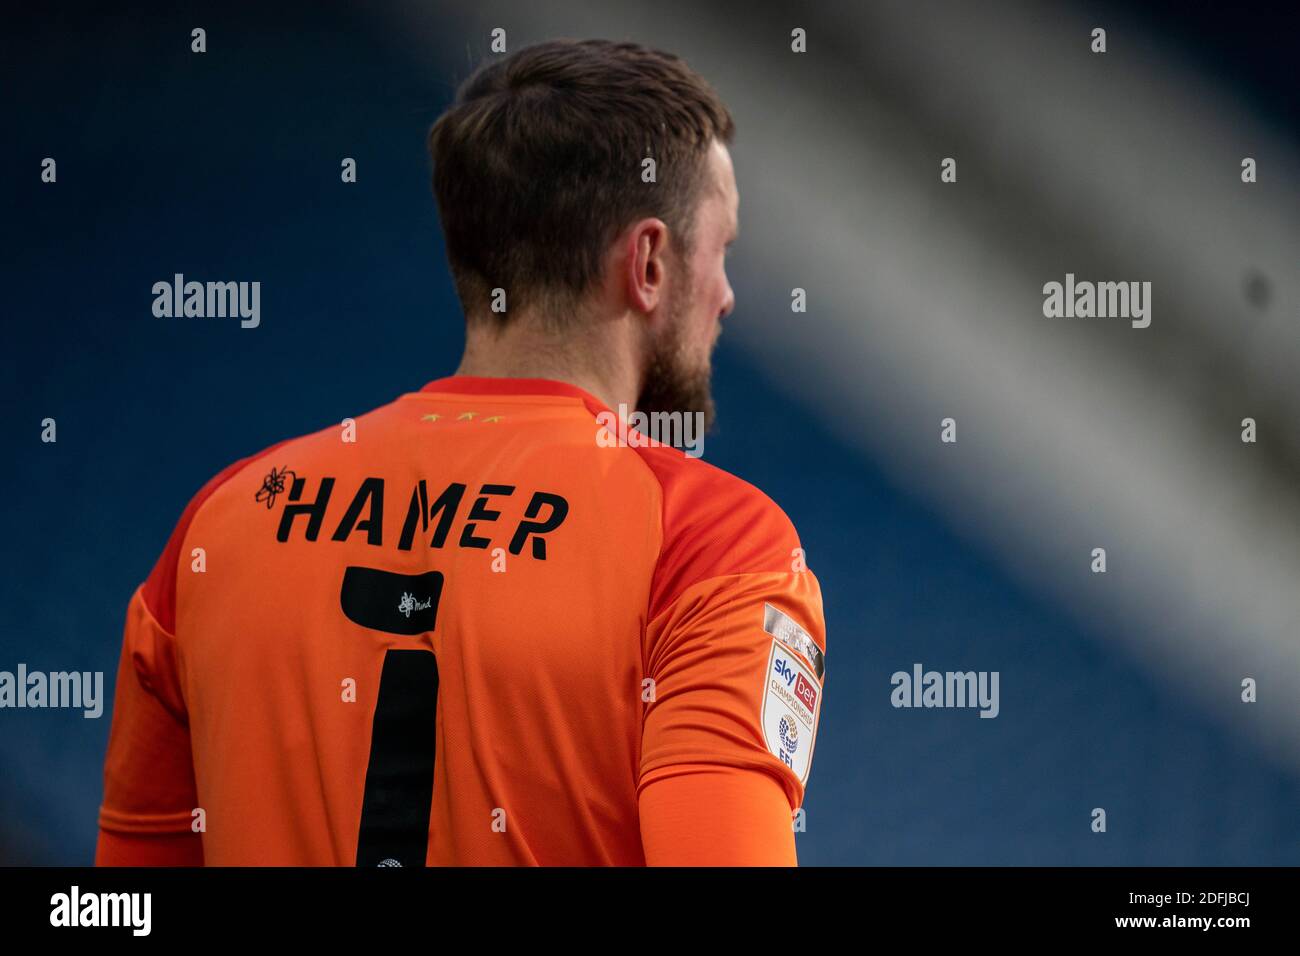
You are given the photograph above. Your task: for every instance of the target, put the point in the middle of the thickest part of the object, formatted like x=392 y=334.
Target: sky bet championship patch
x=792 y=697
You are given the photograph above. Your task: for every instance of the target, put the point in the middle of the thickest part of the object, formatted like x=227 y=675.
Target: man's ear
x=645 y=262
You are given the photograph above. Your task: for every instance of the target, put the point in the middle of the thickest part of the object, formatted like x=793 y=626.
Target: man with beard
x=477 y=634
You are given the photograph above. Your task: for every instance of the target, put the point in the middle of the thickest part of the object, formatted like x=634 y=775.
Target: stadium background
x=1118 y=691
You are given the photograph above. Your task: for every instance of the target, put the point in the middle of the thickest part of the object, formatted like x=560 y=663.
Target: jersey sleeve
x=706 y=815
x=147 y=814
x=735 y=656
x=148 y=773
x=738 y=673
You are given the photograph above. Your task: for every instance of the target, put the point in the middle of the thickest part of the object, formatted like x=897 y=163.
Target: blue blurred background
x=1119 y=691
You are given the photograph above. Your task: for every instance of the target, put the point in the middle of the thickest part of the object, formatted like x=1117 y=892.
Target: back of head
x=538 y=165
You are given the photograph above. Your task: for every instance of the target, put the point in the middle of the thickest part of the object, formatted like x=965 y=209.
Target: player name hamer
x=364 y=515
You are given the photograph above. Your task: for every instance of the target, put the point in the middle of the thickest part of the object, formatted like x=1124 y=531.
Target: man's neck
x=523 y=350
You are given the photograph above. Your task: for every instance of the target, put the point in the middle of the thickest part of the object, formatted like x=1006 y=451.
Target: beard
x=674 y=381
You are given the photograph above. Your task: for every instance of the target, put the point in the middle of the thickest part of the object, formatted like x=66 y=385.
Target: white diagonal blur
x=925 y=300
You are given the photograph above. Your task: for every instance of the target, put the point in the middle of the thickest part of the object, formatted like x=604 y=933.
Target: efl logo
x=791 y=698
x=806 y=692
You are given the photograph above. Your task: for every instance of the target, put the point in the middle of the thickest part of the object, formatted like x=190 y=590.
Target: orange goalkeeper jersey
x=481 y=625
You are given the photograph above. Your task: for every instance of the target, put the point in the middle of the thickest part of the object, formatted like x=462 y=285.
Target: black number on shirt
x=398 y=797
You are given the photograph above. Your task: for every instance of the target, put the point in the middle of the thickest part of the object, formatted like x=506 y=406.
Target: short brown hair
x=537 y=165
